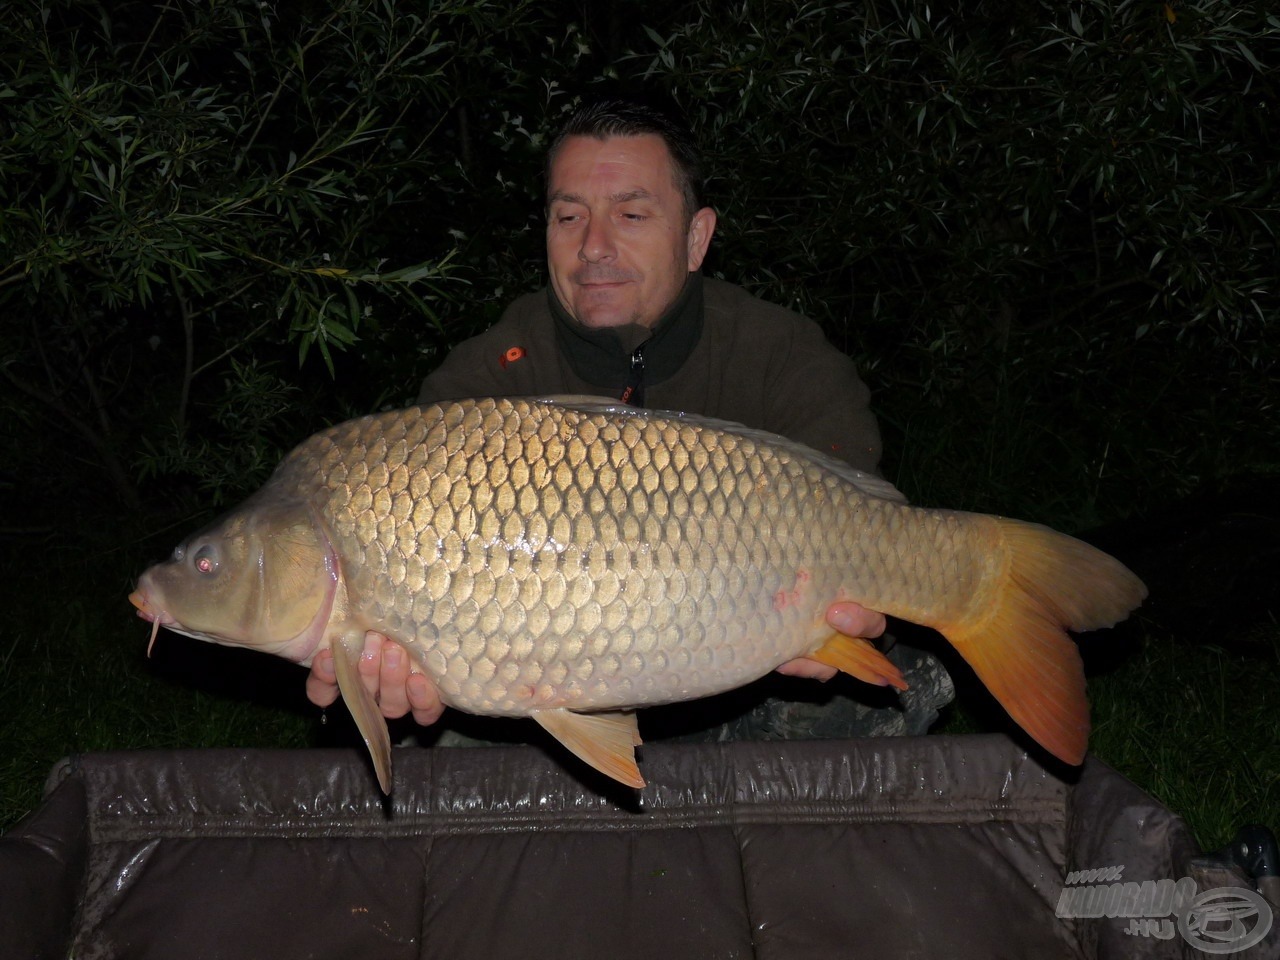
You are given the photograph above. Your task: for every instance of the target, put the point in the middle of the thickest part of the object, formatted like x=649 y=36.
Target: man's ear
x=701 y=227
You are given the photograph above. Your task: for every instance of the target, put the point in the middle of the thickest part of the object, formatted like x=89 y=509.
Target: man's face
x=618 y=250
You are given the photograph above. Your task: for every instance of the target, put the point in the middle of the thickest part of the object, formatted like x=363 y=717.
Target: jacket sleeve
x=500 y=362
x=468 y=370
x=817 y=398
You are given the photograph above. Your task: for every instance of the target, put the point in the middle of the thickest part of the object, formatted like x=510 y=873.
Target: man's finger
x=423 y=699
x=395 y=672
x=322 y=682
x=804 y=667
x=855 y=620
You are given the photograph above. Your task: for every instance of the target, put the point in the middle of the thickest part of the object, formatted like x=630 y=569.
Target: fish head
x=264 y=576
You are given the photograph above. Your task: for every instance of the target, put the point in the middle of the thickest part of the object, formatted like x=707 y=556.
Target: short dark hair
x=614 y=117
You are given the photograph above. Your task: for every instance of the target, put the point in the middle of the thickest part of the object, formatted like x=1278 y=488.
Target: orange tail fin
x=1016 y=640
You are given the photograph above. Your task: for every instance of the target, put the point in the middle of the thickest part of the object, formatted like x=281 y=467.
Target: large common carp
x=570 y=559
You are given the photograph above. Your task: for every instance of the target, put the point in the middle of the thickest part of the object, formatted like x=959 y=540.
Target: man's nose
x=597 y=241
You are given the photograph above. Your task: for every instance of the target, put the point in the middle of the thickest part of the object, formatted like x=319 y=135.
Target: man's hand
x=386 y=671
x=848 y=618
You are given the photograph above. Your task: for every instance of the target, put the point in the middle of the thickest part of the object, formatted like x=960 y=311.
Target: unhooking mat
x=955 y=847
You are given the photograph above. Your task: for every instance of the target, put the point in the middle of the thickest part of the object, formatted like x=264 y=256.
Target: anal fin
x=364 y=709
x=860 y=659
x=606 y=741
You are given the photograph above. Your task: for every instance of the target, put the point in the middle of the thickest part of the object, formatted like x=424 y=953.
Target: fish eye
x=205 y=560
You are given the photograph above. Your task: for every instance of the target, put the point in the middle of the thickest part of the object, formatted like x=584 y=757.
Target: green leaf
x=1248 y=55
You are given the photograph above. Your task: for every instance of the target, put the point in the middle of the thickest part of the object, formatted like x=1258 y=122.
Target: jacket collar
x=602 y=357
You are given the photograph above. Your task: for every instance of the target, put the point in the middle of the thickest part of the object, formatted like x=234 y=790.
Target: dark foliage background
x=1046 y=230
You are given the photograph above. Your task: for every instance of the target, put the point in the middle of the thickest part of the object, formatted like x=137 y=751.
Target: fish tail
x=1015 y=634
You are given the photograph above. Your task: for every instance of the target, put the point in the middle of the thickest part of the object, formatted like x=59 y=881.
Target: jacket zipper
x=634 y=392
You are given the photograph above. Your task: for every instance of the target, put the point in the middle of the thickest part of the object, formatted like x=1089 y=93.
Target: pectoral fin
x=346 y=654
x=606 y=741
x=858 y=658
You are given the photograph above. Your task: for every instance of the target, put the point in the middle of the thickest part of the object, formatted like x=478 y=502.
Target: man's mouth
x=599 y=278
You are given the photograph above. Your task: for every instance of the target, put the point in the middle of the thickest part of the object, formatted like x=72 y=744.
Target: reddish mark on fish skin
x=789 y=598
x=537 y=694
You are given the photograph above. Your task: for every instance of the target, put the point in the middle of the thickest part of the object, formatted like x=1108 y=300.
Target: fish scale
x=476 y=627
x=577 y=474
x=560 y=558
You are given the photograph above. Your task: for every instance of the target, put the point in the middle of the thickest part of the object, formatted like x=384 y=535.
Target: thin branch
x=232 y=349
x=188 y=351
x=106 y=456
x=275 y=95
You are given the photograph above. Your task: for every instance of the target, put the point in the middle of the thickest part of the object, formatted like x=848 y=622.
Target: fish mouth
x=162 y=618
x=145 y=610
x=149 y=611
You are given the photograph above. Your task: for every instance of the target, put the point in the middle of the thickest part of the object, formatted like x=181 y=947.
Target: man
x=628 y=315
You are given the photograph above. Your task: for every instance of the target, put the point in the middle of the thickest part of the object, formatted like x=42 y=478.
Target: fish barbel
x=570 y=559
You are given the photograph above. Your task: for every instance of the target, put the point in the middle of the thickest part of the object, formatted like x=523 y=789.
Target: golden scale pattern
x=533 y=555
